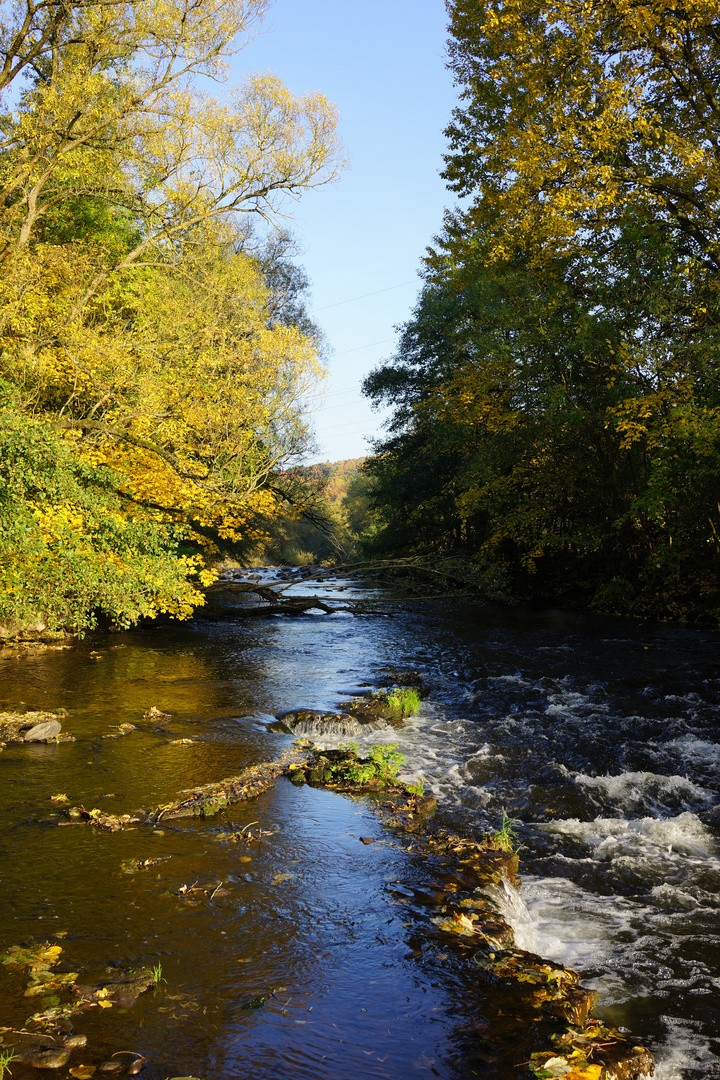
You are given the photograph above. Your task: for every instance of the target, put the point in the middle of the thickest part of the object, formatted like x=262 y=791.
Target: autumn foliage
x=557 y=408
x=152 y=351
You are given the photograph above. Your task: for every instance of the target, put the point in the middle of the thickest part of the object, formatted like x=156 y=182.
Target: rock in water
x=317 y=722
x=73 y=1041
x=49 y=729
x=46 y=1057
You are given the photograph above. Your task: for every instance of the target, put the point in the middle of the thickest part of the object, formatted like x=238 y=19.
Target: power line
x=363 y=296
x=341 y=435
x=360 y=424
x=359 y=347
x=342 y=405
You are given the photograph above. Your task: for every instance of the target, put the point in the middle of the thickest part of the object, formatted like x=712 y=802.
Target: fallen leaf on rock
x=153 y=713
x=457 y=923
x=104 y=1004
x=83 y=1072
x=557 y=1066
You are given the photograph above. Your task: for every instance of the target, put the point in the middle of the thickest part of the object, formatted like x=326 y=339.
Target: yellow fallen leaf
x=105 y=1004
x=52 y=953
x=592 y=1072
x=83 y=1072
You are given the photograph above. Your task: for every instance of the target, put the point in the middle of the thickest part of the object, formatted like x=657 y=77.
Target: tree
x=112 y=112
x=560 y=422
x=139 y=319
x=575 y=113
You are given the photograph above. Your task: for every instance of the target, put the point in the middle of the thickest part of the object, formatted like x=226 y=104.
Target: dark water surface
x=601 y=736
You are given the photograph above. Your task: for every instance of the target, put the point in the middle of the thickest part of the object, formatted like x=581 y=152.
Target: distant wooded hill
x=334 y=493
x=333 y=478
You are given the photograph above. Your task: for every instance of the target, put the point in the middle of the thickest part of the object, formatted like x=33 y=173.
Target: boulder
x=47 y=729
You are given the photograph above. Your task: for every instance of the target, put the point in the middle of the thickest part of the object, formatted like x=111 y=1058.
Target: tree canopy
x=152 y=346
x=556 y=391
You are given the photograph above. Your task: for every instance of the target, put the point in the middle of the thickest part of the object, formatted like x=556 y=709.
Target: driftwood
x=276 y=603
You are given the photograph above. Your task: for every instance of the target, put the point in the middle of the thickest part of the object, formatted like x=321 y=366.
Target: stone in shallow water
x=48 y=729
x=46 y=1057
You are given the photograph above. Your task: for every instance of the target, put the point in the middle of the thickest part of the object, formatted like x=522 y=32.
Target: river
x=600 y=736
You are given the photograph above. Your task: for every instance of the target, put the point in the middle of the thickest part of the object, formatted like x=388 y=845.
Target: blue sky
x=382 y=64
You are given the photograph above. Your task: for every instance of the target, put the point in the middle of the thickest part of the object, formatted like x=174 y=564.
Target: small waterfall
x=512 y=907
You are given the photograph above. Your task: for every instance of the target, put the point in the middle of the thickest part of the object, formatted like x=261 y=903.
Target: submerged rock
x=122 y=729
x=153 y=713
x=72 y=1042
x=45 y=1057
x=120 y=988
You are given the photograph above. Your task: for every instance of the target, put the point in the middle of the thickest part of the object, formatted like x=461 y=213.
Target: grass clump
x=157 y=976
x=6 y=1056
x=505 y=839
x=378 y=769
x=404 y=701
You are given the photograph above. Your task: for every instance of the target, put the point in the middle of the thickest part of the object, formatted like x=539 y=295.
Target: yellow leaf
x=592 y=1072
x=83 y=1072
x=52 y=953
x=105 y=1004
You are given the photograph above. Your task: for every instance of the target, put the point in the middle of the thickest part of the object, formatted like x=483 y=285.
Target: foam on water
x=685 y=1053
x=693 y=751
x=636 y=791
x=673 y=850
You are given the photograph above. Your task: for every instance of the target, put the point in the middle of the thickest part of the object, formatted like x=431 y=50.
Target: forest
x=556 y=407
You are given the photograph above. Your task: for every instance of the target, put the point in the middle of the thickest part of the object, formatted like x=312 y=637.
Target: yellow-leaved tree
x=575 y=111
x=137 y=323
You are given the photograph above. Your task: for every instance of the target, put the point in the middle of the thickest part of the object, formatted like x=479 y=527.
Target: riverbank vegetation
x=555 y=393
x=153 y=348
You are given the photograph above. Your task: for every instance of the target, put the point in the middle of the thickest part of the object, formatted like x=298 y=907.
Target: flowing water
x=601 y=737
